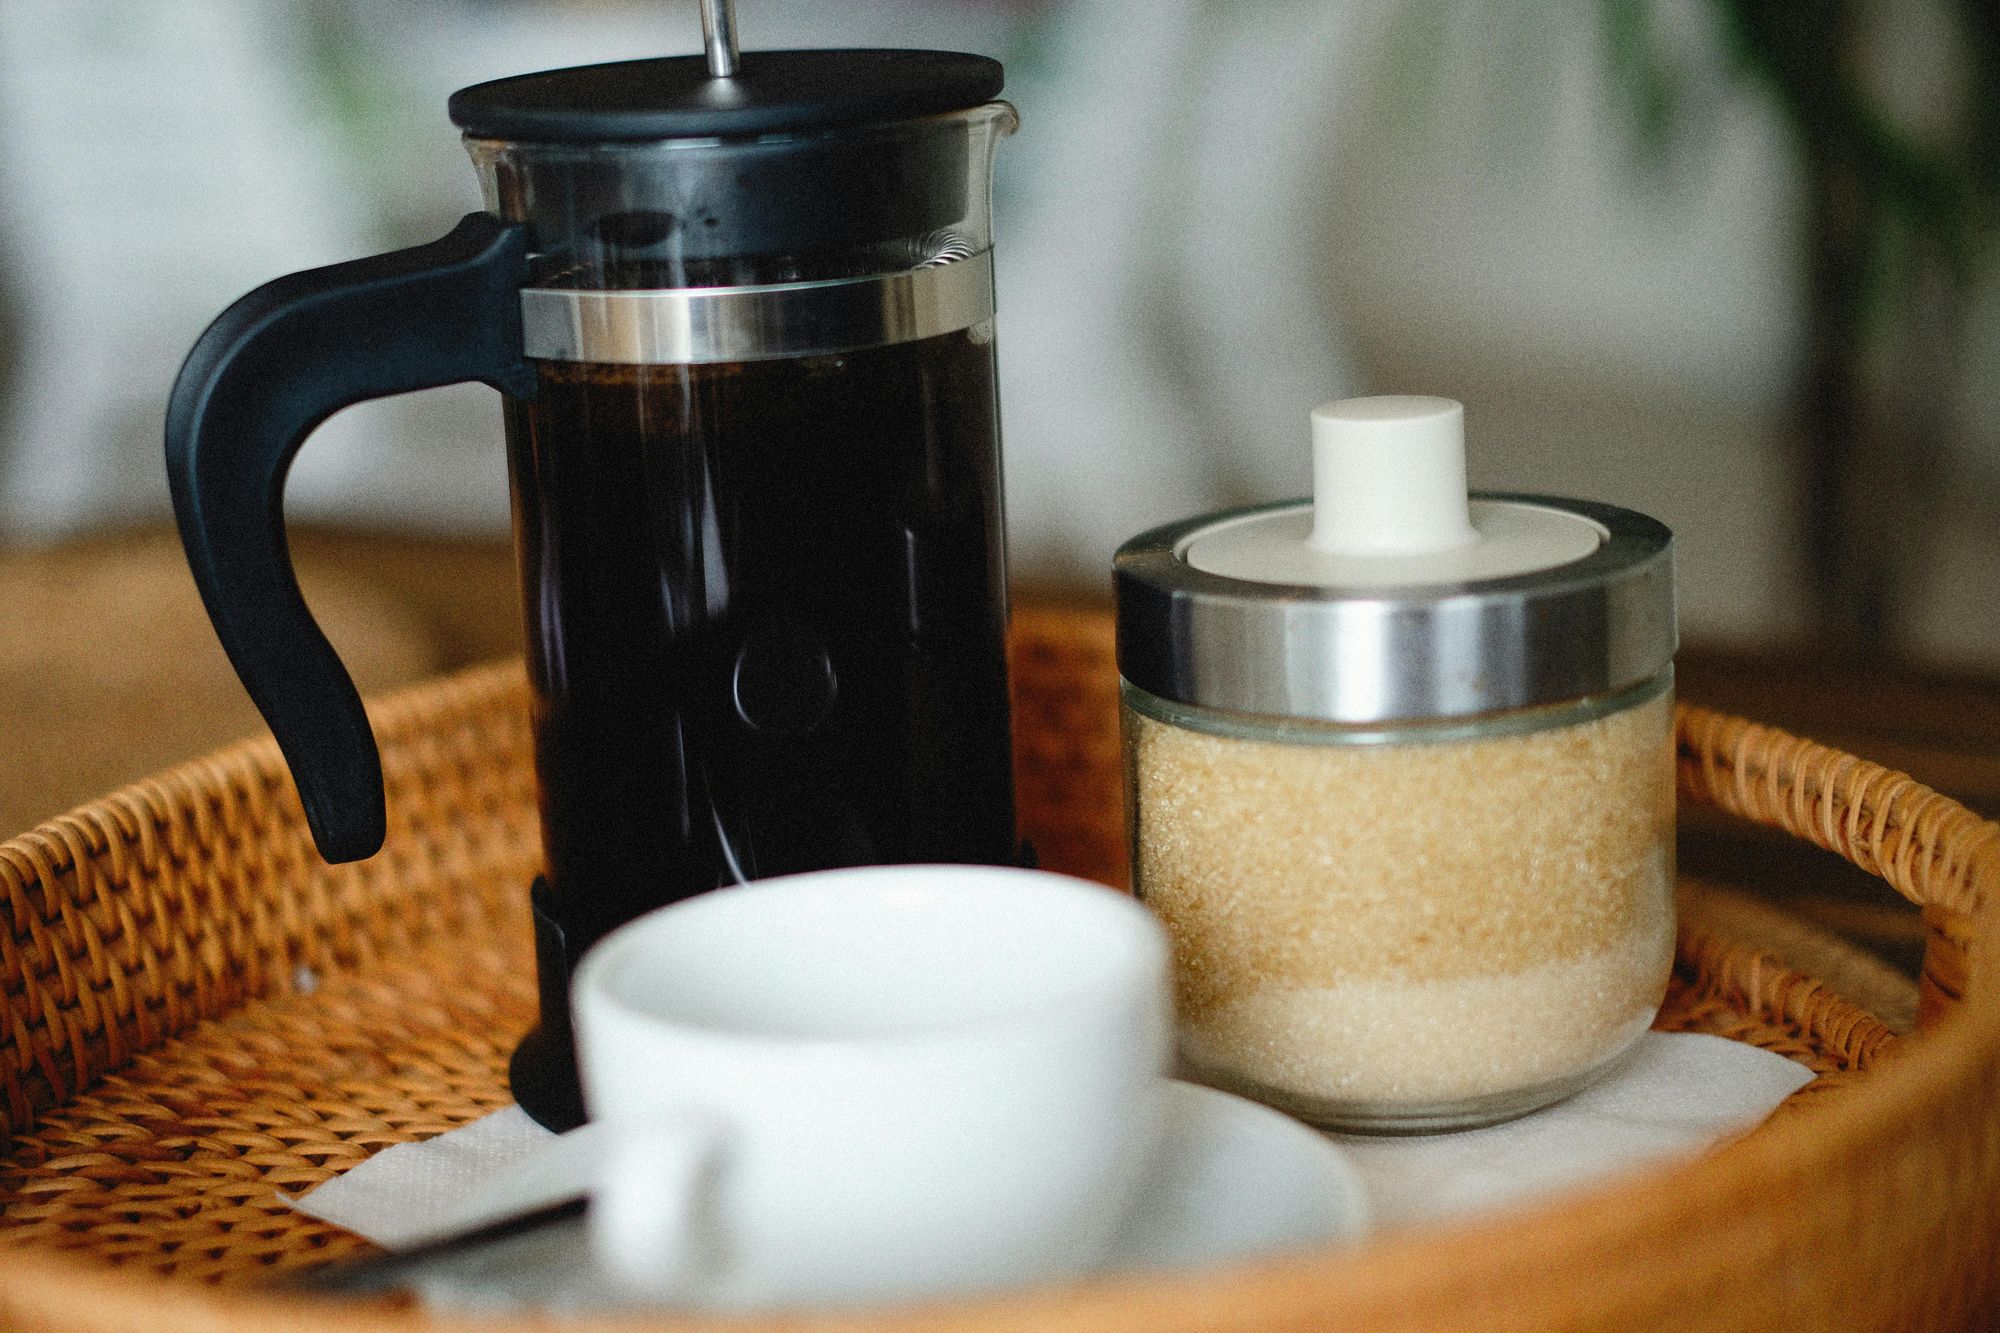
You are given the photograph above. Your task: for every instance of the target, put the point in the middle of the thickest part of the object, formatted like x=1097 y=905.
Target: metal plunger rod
x=718 y=37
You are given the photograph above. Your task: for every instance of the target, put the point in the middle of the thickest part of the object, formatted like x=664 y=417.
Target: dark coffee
x=766 y=620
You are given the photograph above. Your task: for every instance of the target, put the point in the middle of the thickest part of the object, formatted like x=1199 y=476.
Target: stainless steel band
x=694 y=325
x=1596 y=625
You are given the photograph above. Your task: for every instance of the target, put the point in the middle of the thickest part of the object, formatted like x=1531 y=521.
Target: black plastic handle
x=270 y=369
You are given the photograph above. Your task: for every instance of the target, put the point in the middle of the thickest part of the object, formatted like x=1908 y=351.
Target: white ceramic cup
x=871 y=1085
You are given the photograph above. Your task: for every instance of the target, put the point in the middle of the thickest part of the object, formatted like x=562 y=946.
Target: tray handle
x=1928 y=847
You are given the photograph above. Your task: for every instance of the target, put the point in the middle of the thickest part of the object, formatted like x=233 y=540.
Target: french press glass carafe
x=740 y=310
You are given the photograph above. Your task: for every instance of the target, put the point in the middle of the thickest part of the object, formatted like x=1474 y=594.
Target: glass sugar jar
x=1399 y=771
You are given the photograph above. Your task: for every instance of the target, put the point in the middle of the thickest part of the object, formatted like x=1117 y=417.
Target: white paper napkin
x=1675 y=1095
x=414 y=1192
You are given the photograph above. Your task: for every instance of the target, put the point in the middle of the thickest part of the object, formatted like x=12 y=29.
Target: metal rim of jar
x=1593 y=626
x=1429 y=731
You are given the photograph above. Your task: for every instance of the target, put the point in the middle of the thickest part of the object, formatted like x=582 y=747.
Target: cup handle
x=652 y=1220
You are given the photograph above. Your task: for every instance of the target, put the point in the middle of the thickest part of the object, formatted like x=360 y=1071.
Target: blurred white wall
x=158 y=162
x=1621 y=326
x=1215 y=215
x=1618 y=327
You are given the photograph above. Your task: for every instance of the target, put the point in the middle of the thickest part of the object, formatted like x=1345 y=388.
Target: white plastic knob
x=1389 y=477
x=1389 y=510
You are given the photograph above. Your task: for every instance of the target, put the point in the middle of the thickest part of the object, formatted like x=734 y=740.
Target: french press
x=740 y=309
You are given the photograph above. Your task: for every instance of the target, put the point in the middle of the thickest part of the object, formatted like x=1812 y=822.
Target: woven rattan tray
x=200 y=1016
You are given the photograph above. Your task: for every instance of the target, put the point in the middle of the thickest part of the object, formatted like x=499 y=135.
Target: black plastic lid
x=774 y=92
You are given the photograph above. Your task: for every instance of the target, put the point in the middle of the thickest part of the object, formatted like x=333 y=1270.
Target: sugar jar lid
x=1393 y=596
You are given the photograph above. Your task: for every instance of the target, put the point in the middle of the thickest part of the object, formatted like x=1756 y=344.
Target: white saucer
x=1236 y=1180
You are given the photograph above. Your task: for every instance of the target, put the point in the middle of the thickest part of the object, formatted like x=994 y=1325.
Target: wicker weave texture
x=200 y=1015
x=174 y=901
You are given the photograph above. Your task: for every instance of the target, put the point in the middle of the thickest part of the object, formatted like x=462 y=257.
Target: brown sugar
x=1410 y=923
